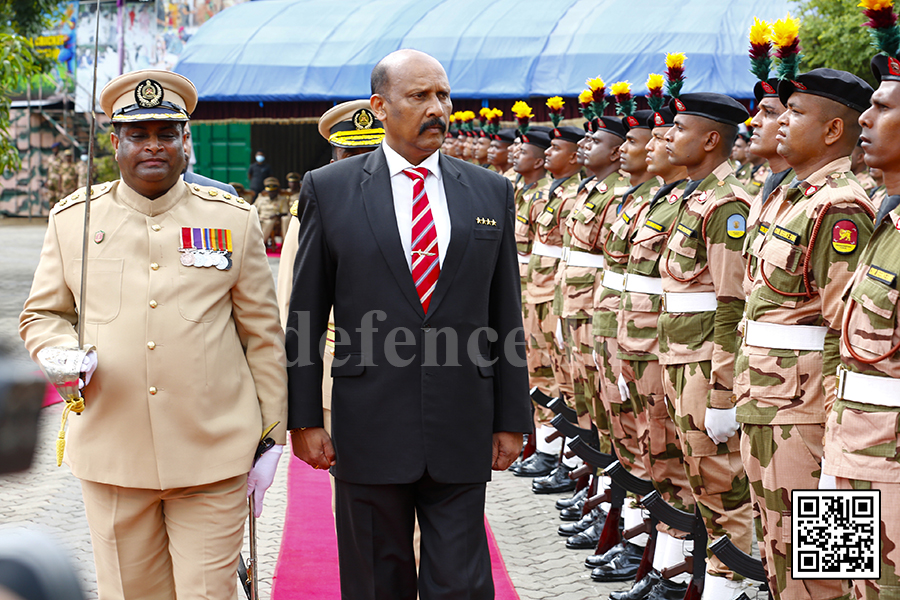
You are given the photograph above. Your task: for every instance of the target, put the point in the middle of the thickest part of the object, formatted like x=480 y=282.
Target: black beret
x=842 y=87
x=505 y=135
x=716 y=107
x=536 y=138
x=638 y=120
x=568 y=134
x=613 y=125
x=588 y=126
x=663 y=118
x=766 y=89
x=885 y=67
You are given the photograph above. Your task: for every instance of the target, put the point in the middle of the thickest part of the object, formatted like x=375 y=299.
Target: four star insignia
x=483 y=221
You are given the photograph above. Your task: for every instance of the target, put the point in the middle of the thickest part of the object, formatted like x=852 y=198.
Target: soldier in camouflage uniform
x=701 y=272
x=878 y=194
x=498 y=153
x=861 y=445
x=638 y=322
x=861 y=170
x=584 y=262
x=531 y=198
x=791 y=332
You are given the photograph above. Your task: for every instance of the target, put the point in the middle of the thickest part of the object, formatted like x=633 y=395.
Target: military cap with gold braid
x=149 y=95
x=351 y=125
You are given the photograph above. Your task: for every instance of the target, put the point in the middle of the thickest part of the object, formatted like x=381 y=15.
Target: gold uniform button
x=240 y=200
x=721 y=183
x=154 y=266
x=151 y=345
x=153 y=390
x=212 y=192
x=153 y=304
x=227 y=196
x=155 y=227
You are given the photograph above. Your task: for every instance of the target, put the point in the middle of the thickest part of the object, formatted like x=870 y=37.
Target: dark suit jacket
x=462 y=384
x=191 y=177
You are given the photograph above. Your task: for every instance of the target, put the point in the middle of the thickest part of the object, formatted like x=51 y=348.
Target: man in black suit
x=430 y=385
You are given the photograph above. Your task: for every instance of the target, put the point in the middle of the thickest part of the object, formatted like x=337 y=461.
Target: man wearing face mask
x=186 y=369
x=258 y=172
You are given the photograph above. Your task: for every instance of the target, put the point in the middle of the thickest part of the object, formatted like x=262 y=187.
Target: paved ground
x=49 y=498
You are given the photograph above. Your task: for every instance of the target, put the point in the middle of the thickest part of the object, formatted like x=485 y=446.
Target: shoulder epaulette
x=212 y=193
x=294 y=208
x=79 y=196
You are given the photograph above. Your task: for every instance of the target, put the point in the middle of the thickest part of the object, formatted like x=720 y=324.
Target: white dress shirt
x=402 y=189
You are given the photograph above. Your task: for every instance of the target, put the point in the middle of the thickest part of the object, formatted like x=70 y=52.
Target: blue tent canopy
x=310 y=50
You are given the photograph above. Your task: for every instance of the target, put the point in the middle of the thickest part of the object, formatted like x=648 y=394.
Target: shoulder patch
x=79 y=196
x=737 y=226
x=787 y=235
x=844 y=236
x=883 y=275
x=210 y=193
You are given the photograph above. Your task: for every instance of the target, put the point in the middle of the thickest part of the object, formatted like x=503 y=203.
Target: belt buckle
x=624 y=282
x=565 y=253
x=841 y=380
x=662 y=302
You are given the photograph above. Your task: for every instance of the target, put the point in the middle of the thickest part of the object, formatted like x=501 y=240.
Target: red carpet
x=307 y=563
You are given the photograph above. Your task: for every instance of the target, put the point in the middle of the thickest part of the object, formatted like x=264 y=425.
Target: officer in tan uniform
x=791 y=335
x=289 y=197
x=183 y=325
x=861 y=444
x=701 y=271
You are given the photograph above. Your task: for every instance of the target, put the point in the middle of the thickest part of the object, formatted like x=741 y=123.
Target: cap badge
x=658 y=120
x=98 y=237
x=603 y=187
x=894 y=66
x=799 y=85
x=679 y=105
x=767 y=88
x=811 y=190
x=632 y=122
x=673 y=198
x=555 y=132
x=148 y=94
x=363 y=119
x=600 y=124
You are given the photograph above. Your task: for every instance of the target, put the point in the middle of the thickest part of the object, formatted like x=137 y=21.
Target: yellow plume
x=760 y=32
x=555 y=103
x=785 y=31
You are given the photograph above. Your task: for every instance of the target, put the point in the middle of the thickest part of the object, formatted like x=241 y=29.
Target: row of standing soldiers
x=691 y=323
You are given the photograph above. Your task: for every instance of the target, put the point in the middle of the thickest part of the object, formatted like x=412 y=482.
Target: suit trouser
x=715 y=471
x=375 y=541
x=888 y=586
x=536 y=318
x=625 y=425
x=661 y=444
x=159 y=544
x=785 y=458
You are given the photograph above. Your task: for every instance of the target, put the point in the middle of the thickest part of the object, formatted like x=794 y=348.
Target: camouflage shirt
x=757 y=225
x=878 y=195
x=615 y=244
x=638 y=319
x=797 y=285
x=529 y=200
x=861 y=442
x=583 y=230
x=867 y=182
x=758 y=179
x=548 y=230
x=703 y=254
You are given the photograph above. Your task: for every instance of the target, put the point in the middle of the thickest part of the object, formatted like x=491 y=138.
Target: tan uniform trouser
x=163 y=544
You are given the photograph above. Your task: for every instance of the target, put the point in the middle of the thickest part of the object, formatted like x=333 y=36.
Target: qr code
x=836 y=534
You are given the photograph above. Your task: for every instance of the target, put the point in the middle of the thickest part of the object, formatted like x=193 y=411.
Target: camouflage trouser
x=625 y=429
x=784 y=458
x=584 y=378
x=560 y=360
x=661 y=444
x=715 y=471
x=537 y=353
x=888 y=586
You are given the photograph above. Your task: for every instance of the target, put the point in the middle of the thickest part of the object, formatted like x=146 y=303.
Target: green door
x=222 y=151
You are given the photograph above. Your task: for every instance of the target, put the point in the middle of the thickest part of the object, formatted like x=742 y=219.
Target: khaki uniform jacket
x=791 y=386
x=191 y=359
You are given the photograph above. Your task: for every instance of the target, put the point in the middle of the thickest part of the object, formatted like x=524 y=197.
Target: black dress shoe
x=598 y=560
x=579 y=497
x=570 y=529
x=556 y=483
x=587 y=539
x=641 y=589
x=621 y=568
x=667 y=590
x=573 y=513
x=537 y=465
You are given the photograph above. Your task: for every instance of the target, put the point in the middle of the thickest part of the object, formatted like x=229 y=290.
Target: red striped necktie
x=425 y=264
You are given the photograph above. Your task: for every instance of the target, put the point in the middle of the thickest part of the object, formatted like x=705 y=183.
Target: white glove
x=560 y=341
x=827 y=482
x=623 y=389
x=262 y=475
x=88 y=366
x=721 y=424
x=596 y=360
